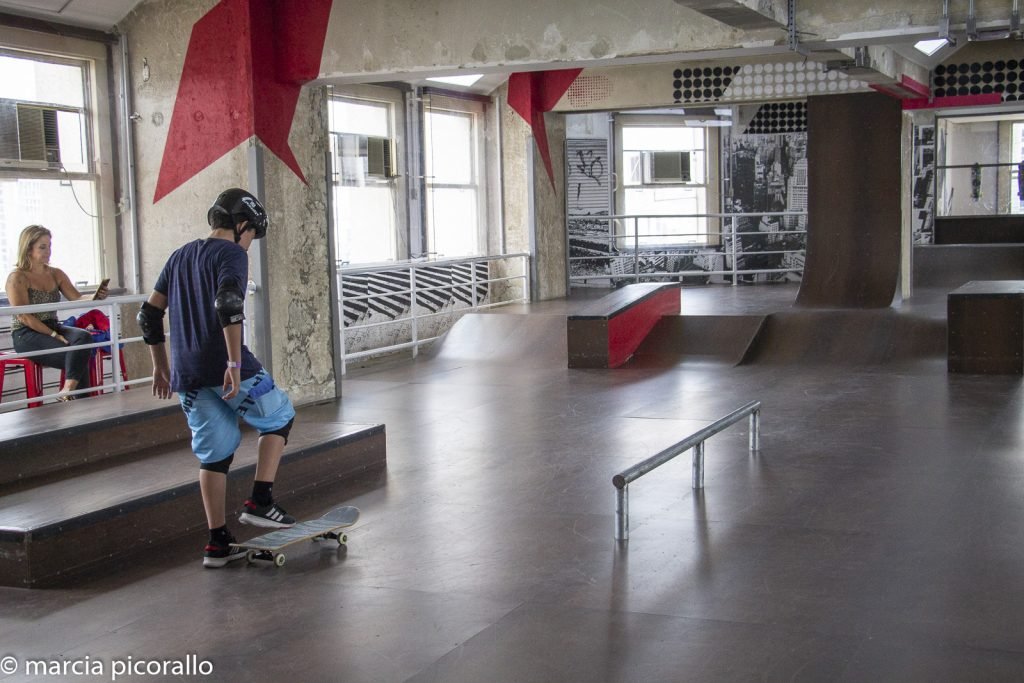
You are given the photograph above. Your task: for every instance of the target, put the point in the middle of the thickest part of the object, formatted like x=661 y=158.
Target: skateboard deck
x=267 y=548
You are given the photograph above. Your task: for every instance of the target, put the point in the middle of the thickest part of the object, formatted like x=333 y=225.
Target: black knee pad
x=283 y=431
x=219 y=466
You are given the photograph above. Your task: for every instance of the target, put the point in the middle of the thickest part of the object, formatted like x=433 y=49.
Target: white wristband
x=53 y=333
x=233 y=364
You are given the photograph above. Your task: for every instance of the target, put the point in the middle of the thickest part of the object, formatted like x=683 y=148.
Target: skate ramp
x=798 y=338
x=529 y=339
x=699 y=339
x=858 y=337
x=951 y=266
x=853 y=162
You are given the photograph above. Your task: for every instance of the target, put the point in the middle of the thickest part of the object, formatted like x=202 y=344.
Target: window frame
x=93 y=57
x=476 y=109
x=710 y=185
x=1016 y=157
x=392 y=100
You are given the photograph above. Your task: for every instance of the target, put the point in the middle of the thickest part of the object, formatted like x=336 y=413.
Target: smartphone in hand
x=106 y=281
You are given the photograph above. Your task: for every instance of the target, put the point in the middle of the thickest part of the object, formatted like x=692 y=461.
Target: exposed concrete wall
x=515 y=136
x=157 y=34
x=300 y=337
x=829 y=20
x=367 y=40
x=297 y=252
x=372 y=41
x=549 y=205
x=549 y=214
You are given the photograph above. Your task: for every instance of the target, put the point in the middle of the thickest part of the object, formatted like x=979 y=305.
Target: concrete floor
x=876 y=536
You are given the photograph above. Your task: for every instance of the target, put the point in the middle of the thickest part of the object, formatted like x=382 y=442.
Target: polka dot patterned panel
x=779 y=117
x=587 y=90
x=706 y=84
x=1005 y=77
x=778 y=80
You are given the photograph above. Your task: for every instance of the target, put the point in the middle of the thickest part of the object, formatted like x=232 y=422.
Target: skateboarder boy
x=216 y=377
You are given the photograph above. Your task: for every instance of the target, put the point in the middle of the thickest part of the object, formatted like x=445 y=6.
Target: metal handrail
x=413 y=290
x=690 y=215
x=417 y=264
x=695 y=441
x=111 y=305
x=732 y=250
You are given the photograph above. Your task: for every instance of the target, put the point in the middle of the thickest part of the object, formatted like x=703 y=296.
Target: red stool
x=96 y=374
x=96 y=365
x=33 y=376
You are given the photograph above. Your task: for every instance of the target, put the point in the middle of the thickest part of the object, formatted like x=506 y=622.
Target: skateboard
x=267 y=548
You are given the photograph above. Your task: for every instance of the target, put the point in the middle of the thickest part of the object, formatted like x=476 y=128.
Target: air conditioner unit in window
x=379 y=158
x=28 y=136
x=666 y=167
x=361 y=156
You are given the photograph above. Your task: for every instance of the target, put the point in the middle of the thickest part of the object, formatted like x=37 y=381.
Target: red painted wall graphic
x=244 y=69
x=533 y=93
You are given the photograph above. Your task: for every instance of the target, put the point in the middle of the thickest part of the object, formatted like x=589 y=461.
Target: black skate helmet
x=238 y=205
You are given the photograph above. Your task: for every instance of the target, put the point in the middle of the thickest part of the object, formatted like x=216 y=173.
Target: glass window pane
x=71 y=137
x=1016 y=178
x=61 y=206
x=673 y=202
x=452 y=218
x=634 y=170
x=697 y=166
x=364 y=219
x=662 y=138
x=449 y=146
x=36 y=81
x=362 y=118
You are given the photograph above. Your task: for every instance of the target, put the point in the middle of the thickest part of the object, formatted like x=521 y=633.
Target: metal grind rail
x=622 y=480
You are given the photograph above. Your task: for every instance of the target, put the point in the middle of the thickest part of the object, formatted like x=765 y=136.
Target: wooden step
x=60 y=528
x=59 y=437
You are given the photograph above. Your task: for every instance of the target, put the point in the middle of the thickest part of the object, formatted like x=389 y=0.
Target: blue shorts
x=214 y=421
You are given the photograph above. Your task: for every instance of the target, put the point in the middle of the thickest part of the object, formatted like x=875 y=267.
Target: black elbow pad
x=151 y=322
x=230 y=305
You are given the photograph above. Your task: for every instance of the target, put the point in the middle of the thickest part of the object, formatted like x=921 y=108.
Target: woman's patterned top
x=40 y=296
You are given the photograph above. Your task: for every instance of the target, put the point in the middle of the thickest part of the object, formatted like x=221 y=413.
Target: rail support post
x=698 y=465
x=622 y=513
x=755 y=430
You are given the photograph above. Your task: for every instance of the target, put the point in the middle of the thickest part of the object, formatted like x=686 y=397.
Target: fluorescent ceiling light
x=930 y=47
x=458 y=80
x=707 y=123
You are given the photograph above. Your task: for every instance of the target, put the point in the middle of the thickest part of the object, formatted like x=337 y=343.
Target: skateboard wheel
x=250 y=556
x=342 y=539
x=279 y=560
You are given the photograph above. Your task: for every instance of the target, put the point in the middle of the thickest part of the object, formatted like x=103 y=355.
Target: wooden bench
x=607 y=332
x=87 y=484
x=986 y=328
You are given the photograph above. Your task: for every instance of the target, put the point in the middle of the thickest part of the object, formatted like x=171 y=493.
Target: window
x=453 y=163
x=664 y=173
x=978 y=164
x=366 y=214
x=47 y=169
x=1016 y=177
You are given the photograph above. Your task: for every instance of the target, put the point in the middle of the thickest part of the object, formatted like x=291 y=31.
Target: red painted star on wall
x=244 y=69
x=533 y=93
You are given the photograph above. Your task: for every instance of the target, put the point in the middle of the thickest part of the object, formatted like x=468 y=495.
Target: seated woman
x=35 y=281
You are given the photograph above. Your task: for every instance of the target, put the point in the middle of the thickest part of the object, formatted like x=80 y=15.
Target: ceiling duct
x=732 y=13
x=944 y=31
x=973 y=34
x=860 y=65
